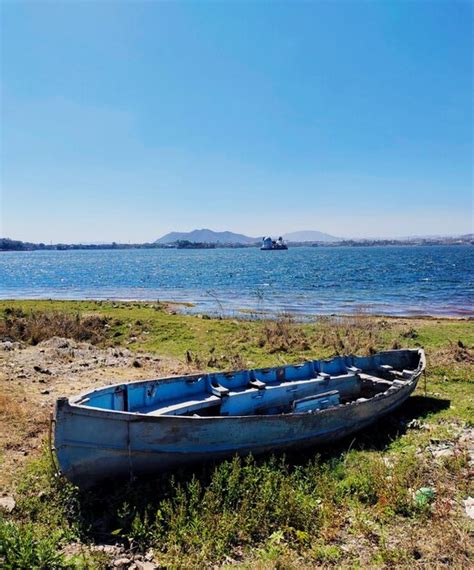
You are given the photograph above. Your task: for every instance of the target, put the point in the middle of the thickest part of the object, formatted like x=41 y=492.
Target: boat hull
x=94 y=444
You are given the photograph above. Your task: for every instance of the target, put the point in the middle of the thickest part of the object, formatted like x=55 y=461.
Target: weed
x=283 y=335
x=35 y=326
x=22 y=546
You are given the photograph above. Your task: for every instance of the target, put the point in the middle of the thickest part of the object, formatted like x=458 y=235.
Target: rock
x=56 y=342
x=73 y=549
x=41 y=370
x=122 y=563
x=441 y=449
x=469 y=507
x=443 y=452
x=149 y=556
x=388 y=461
x=44 y=392
x=109 y=549
x=7 y=504
x=136 y=364
x=145 y=565
x=415 y=424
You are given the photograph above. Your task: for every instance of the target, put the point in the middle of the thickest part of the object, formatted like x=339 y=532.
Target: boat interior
x=302 y=388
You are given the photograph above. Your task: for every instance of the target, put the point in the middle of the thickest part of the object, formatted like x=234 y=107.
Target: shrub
x=38 y=326
x=22 y=546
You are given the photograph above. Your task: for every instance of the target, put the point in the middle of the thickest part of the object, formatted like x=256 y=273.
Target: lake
x=436 y=280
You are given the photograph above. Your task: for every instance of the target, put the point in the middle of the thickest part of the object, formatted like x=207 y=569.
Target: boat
x=269 y=244
x=136 y=428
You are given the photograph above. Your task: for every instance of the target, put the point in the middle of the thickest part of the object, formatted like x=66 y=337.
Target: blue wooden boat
x=154 y=425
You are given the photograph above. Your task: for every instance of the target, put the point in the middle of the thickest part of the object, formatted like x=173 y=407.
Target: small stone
x=469 y=507
x=44 y=392
x=443 y=452
x=41 y=370
x=136 y=364
x=415 y=424
x=7 y=504
x=145 y=565
x=122 y=563
x=109 y=549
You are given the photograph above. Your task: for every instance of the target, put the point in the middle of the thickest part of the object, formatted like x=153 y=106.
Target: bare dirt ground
x=33 y=377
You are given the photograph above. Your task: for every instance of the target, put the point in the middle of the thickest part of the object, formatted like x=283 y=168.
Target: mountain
x=310 y=235
x=207 y=236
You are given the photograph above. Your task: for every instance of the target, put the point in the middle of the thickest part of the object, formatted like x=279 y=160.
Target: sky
x=122 y=121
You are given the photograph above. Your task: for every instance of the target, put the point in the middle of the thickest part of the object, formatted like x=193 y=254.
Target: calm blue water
x=310 y=280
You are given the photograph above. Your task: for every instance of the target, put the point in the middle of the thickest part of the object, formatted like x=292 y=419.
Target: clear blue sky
x=125 y=120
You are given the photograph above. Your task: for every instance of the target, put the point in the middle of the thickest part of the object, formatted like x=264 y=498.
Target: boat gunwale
x=74 y=402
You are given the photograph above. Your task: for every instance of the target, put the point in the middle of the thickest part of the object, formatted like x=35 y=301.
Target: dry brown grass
x=228 y=361
x=283 y=335
x=455 y=354
x=16 y=411
x=18 y=428
x=35 y=327
x=339 y=335
x=350 y=335
x=10 y=408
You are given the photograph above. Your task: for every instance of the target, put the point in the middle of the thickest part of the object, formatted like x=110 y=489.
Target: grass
x=21 y=547
x=154 y=327
x=35 y=326
x=351 y=505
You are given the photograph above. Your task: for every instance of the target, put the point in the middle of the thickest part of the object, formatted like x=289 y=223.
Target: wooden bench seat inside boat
x=180 y=407
x=251 y=400
x=317 y=402
x=389 y=372
x=375 y=380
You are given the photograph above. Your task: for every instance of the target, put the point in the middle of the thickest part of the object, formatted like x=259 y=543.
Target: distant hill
x=310 y=235
x=207 y=236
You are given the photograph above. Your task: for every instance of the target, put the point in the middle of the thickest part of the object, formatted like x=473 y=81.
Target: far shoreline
x=192 y=309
